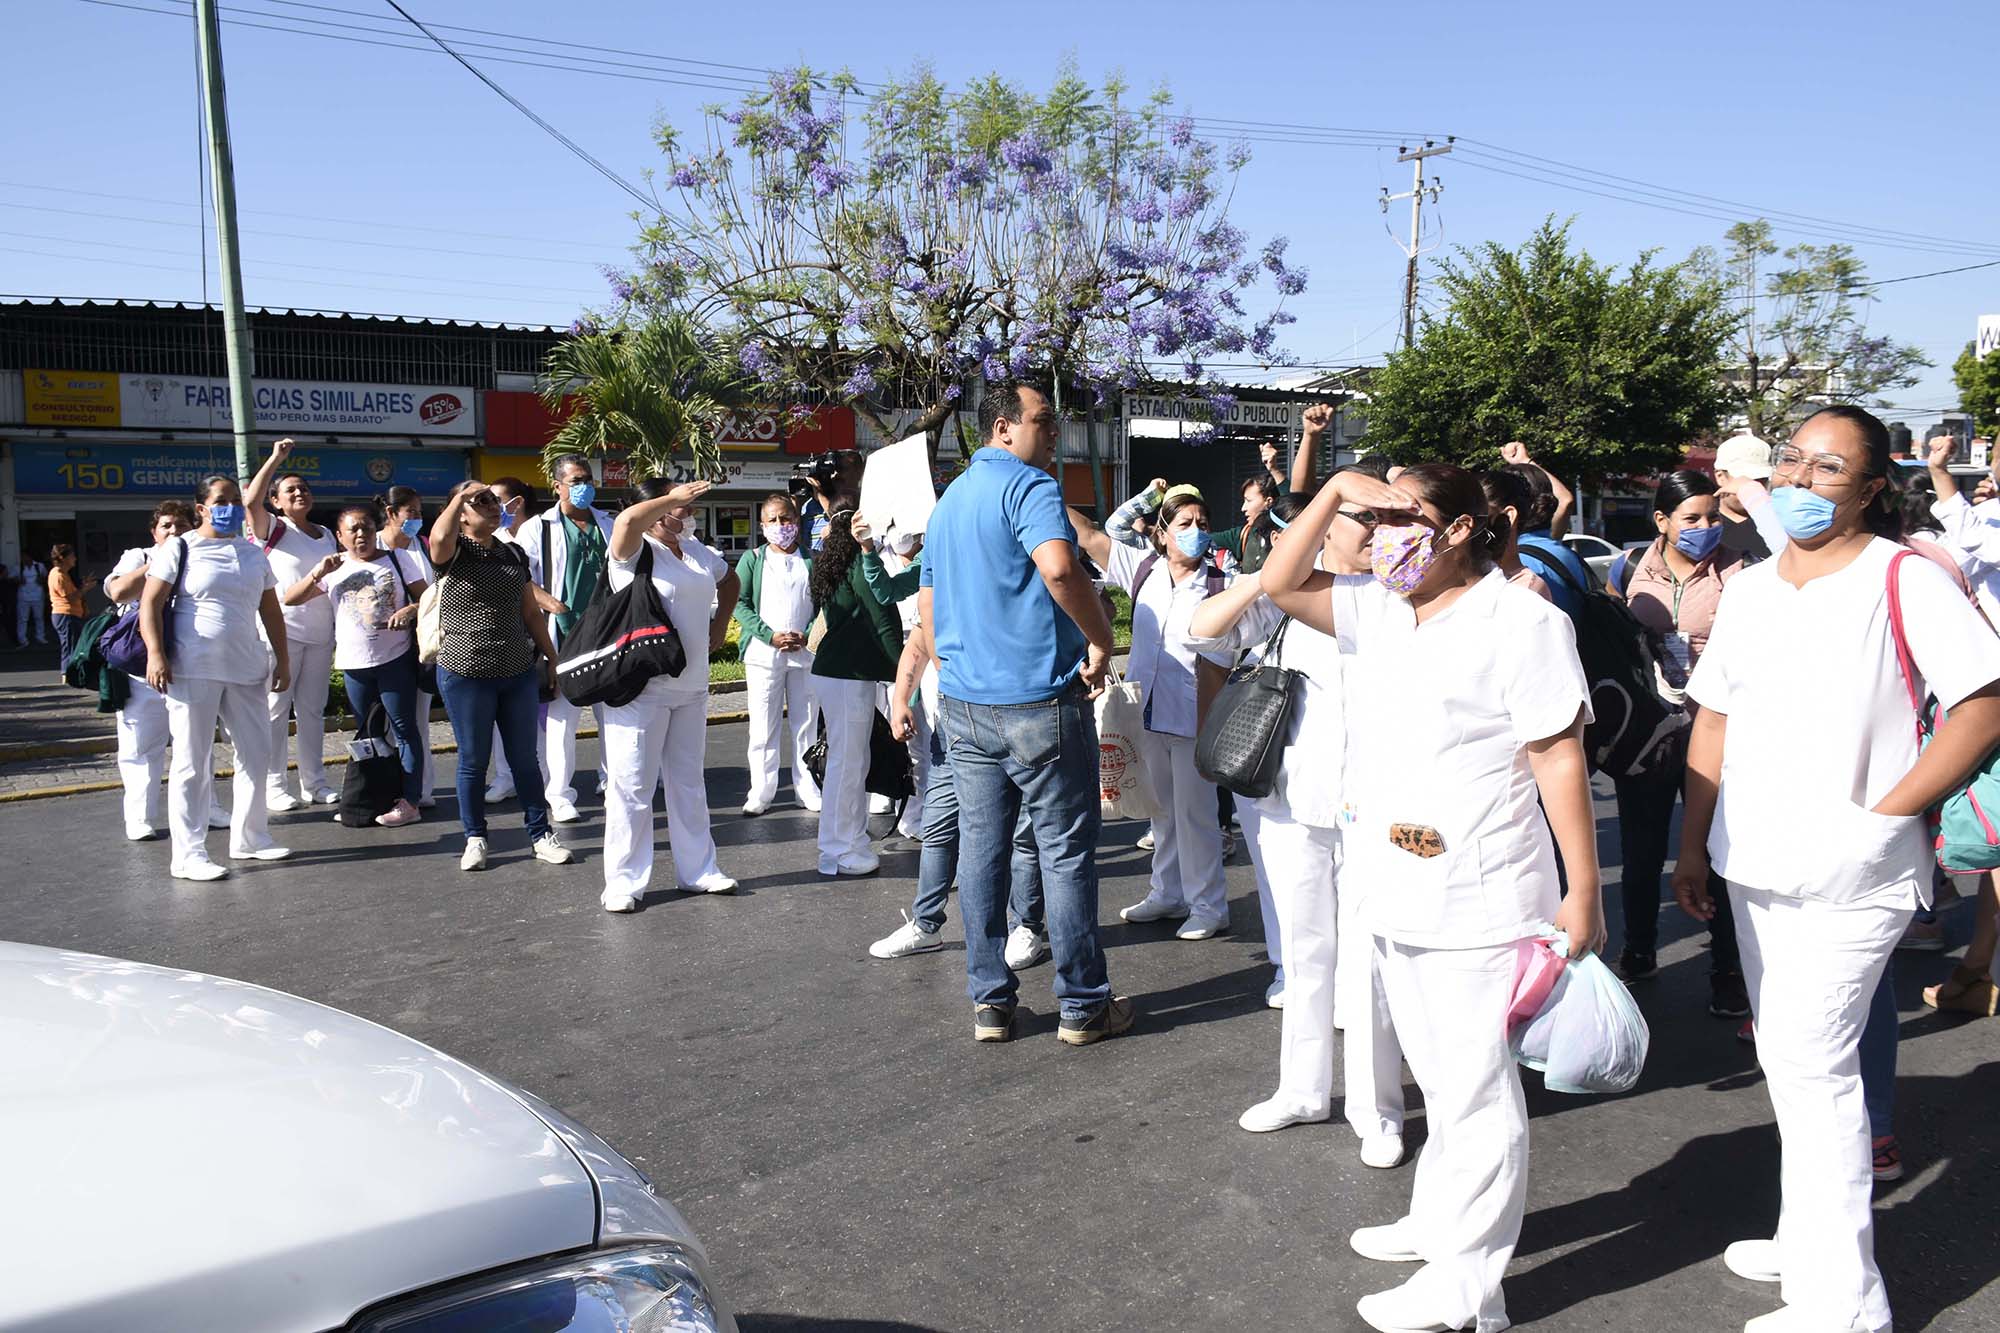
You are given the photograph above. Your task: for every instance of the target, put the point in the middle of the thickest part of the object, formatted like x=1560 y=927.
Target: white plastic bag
x=1589 y=1037
x=1123 y=787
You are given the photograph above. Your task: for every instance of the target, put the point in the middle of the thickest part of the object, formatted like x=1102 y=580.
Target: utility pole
x=1418 y=189
x=222 y=168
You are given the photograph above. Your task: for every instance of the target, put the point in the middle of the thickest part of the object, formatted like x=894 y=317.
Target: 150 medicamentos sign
x=74 y=399
x=108 y=471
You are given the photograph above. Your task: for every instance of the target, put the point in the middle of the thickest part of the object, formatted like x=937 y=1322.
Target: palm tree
x=659 y=391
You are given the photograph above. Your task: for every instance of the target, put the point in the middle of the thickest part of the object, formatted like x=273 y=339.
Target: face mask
x=781 y=535
x=506 y=517
x=1194 y=543
x=581 y=493
x=903 y=543
x=227 y=520
x=1698 y=543
x=1400 y=557
x=413 y=527
x=1805 y=513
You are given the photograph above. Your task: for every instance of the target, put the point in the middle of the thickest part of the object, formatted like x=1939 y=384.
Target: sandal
x=1968 y=991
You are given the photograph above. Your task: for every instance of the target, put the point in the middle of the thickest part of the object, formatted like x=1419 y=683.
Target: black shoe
x=1727 y=997
x=993 y=1022
x=1636 y=966
x=1114 y=1019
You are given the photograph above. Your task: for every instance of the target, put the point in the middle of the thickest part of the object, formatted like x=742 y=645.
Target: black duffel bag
x=623 y=640
x=1242 y=742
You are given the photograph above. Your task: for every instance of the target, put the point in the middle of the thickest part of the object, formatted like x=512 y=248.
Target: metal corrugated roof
x=12 y=301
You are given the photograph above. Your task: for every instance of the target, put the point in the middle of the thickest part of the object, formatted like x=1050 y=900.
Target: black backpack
x=1633 y=724
x=623 y=640
x=373 y=782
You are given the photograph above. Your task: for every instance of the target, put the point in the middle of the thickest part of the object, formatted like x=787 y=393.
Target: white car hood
x=184 y=1151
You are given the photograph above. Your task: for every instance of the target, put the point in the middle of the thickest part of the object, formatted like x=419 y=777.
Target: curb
x=92 y=788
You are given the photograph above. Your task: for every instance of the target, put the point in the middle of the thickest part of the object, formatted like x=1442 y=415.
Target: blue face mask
x=413 y=528
x=227 y=520
x=1698 y=544
x=506 y=517
x=581 y=493
x=1805 y=513
x=1194 y=542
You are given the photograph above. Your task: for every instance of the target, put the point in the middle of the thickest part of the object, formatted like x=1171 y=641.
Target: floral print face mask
x=1401 y=556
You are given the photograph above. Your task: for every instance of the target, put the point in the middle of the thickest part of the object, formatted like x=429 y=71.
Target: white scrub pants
x=911 y=823
x=1450 y=1009
x=559 y=746
x=193 y=706
x=312 y=675
x=774 y=689
x=651 y=739
x=31 y=612
x=1371 y=1055
x=1250 y=818
x=1811 y=969
x=142 y=756
x=1187 y=841
x=503 y=773
x=849 y=706
x=426 y=761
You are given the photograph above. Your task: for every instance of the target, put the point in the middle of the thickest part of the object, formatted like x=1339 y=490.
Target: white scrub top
x=1162 y=661
x=1441 y=742
x=293 y=556
x=216 y=618
x=784 y=602
x=1820 y=723
x=686 y=584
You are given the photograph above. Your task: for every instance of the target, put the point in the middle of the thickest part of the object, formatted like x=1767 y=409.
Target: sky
x=392 y=181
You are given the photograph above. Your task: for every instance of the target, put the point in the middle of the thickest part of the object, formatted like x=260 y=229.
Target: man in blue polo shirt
x=1022 y=645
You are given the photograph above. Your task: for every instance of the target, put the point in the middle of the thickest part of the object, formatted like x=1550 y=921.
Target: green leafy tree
x=658 y=392
x=1978 y=382
x=1600 y=372
x=1804 y=340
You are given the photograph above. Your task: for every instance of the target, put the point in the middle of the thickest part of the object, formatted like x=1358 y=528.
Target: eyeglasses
x=484 y=500
x=1828 y=468
x=1367 y=518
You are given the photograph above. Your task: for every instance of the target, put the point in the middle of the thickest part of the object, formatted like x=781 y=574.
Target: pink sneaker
x=400 y=814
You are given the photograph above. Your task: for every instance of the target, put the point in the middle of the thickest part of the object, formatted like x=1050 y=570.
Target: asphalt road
x=853 y=1160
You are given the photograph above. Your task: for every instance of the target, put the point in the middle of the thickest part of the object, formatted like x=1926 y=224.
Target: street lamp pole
x=222 y=169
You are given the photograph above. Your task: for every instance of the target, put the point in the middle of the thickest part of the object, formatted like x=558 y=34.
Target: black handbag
x=373 y=782
x=623 y=640
x=1242 y=742
x=890 y=772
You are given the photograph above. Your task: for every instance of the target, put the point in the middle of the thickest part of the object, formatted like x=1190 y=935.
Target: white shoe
x=865 y=863
x=716 y=883
x=879 y=804
x=218 y=817
x=1150 y=908
x=1202 y=927
x=282 y=803
x=1756 y=1260
x=326 y=796
x=752 y=809
x=619 y=902
x=549 y=848
x=1146 y=841
x=905 y=940
x=1402 y=1311
x=141 y=832
x=261 y=854
x=1026 y=947
x=1792 y=1319
x=1274 y=994
x=810 y=803
x=563 y=812
x=200 y=869
x=1391 y=1244
x=1382 y=1151
x=475 y=855
x=499 y=792
x=1273 y=1114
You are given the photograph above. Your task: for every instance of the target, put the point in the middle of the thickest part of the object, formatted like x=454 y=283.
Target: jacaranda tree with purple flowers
x=887 y=248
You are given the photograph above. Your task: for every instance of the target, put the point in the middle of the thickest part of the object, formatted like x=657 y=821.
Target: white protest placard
x=897 y=495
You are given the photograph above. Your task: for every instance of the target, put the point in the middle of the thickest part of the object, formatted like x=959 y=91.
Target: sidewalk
x=54 y=742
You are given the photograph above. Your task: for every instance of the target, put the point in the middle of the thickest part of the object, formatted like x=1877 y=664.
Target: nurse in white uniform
x=294 y=544
x=774 y=613
x=1804 y=792
x=1453 y=855
x=663 y=733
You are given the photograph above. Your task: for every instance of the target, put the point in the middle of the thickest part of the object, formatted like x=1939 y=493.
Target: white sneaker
x=879 y=804
x=1756 y=1260
x=1391 y=1244
x=326 y=796
x=1792 y=1319
x=1402 y=1311
x=261 y=854
x=563 y=812
x=218 y=817
x=905 y=940
x=1150 y=908
x=282 y=803
x=810 y=803
x=475 y=855
x=1202 y=927
x=141 y=832
x=619 y=902
x=865 y=863
x=1146 y=841
x=716 y=883
x=200 y=869
x=1382 y=1151
x=549 y=848
x=1274 y=994
x=500 y=792
x=1272 y=1114
x=1026 y=947
x=754 y=808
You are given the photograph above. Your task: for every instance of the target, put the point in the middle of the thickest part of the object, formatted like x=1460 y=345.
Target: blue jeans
x=1879 y=1036
x=66 y=628
x=1039 y=759
x=394 y=686
x=475 y=704
x=938 y=865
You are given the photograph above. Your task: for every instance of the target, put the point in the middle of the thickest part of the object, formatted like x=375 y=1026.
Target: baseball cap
x=1744 y=456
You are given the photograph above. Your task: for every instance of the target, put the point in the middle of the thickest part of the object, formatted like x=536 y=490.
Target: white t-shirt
x=415 y=562
x=364 y=594
x=216 y=620
x=784 y=602
x=686 y=584
x=134 y=559
x=292 y=557
x=34 y=578
x=1441 y=743
x=1820 y=724
x=1162 y=661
